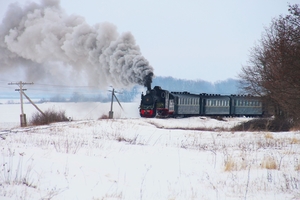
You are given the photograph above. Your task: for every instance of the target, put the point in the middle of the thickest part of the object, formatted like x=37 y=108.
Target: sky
x=194 y=39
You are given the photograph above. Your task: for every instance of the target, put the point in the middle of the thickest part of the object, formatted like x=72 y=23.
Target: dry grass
x=235 y=164
x=297 y=167
x=13 y=173
x=269 y=136
x=269 y=163
x=295 y=140
x=230 y=165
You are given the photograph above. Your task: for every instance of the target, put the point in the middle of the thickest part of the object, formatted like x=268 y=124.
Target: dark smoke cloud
x=49 y=44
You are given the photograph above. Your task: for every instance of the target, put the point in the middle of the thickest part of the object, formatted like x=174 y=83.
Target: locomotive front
x=156 y=103
x=147 y=107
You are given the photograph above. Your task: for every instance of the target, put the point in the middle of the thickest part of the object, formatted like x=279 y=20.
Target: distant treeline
x=229 y=86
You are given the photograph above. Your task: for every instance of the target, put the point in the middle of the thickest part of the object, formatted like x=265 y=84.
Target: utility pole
x=23 y=121
x=111 y=113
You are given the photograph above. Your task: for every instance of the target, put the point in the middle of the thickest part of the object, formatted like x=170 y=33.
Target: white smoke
x=47 y=43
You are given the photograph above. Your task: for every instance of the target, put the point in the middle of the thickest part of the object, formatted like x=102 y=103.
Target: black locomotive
x=162 y=103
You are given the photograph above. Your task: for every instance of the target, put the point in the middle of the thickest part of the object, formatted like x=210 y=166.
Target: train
x=161 y=103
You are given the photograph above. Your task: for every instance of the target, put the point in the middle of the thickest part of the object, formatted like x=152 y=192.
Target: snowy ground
x=134 y=158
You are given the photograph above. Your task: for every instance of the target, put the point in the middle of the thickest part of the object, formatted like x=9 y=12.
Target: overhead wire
x=57 y=89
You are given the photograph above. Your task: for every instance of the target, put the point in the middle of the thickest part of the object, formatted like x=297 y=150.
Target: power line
x=60 y=86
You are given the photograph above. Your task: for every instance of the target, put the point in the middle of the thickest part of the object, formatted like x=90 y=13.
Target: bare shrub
x=263 y=124
x=103 y=117
x=296 y=126
x=49 y=116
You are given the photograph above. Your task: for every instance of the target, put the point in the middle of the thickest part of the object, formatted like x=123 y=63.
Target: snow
x=134 y=158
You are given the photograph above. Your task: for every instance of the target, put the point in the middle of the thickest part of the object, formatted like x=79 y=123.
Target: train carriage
x=216 y=105
x=186 y=104
x=246 y=106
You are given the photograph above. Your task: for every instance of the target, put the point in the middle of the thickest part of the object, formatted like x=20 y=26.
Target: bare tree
x=273 y=70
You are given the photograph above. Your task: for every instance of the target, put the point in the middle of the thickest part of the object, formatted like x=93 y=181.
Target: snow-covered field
x=133 y=158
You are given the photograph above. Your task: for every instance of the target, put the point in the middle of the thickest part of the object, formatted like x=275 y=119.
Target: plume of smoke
x=49 y=44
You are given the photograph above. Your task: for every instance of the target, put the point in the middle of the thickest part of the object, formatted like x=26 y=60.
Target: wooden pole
x=111 y=113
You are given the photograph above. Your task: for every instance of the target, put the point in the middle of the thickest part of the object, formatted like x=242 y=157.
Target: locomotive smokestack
x=148 y=81
x=149 y=87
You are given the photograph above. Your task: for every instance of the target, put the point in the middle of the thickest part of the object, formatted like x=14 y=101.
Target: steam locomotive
x=162 y=103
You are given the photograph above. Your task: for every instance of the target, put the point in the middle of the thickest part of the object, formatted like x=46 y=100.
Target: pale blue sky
x=191 y=39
